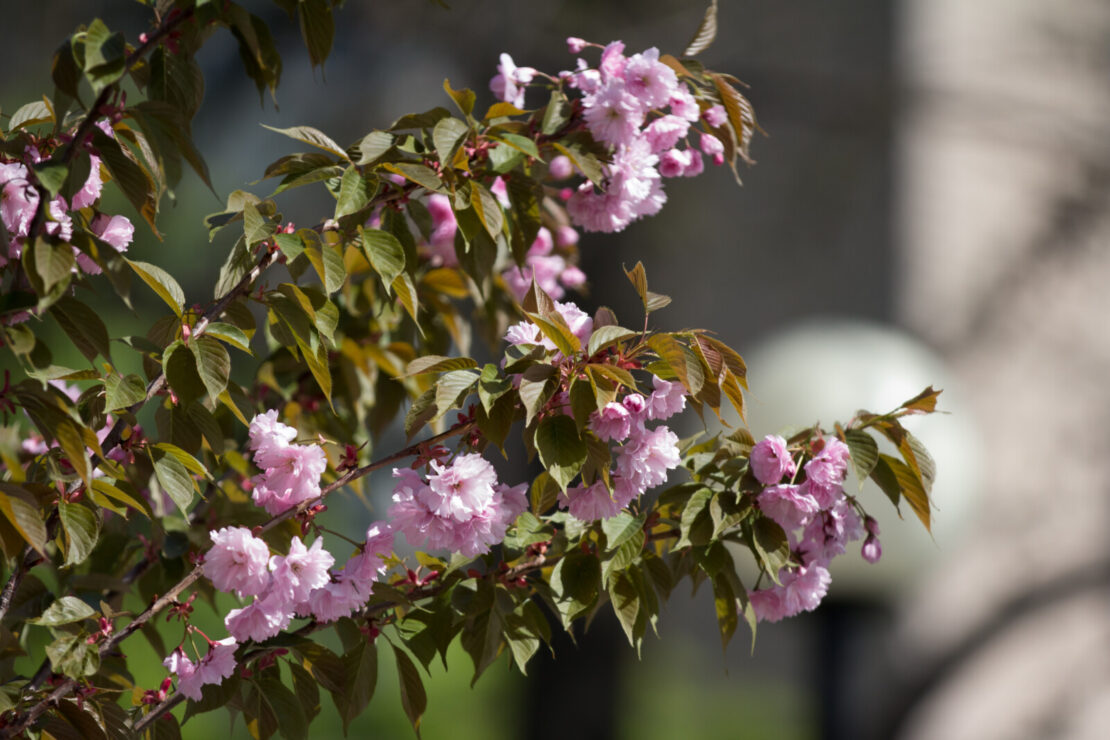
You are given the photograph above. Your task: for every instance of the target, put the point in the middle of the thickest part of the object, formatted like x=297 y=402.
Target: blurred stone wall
x=1004 y=261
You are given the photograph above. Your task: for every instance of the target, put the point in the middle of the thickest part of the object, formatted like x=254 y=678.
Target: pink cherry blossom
x=713 y=148
x=587 y=504
x=668 y=399
x=301 y=571
x=238 y=561
x=674 y=162
x=260 y=620
x=90 y=191
x=788 y=505
x=294 y=477
x=802 y=590
x=645 y=459
x=770 y=460
x=575 y=45
x=613 y=115
x=715 y=116
x=611 y=423
x=648 y=79
x=828 y=533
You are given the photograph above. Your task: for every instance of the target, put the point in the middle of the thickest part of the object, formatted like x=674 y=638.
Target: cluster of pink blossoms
x=817 y=509
x=643 y=455
x=19 y=200
x=300 y=582
x=460 y=507
x=213 y=668
x=637 y=106
x=546 y=260
x=290 y=472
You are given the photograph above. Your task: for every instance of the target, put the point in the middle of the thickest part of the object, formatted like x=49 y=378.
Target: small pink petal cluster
x=290 y=473
x=300 y=582
x=213 y=668
x=818 y=509
x=19 y=200
x=643 y=456
x=638 y=107
x=551 y=270
x=509 y=82
x=460 y=507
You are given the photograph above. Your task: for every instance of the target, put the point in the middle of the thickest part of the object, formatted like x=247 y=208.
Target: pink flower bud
x=575 y=45
x=871 y=550
x=560 y=168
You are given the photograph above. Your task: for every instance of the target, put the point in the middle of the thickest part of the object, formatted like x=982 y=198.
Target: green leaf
x=438 y=364
x=491 y=386
x=561 y=450
x=621 y=528
x=625 y=598
x=697 y=525
x=575 y=582
x=910 y=486
x=71 y=438
x=82 y=529
x=312 y=137
x=83 y=326
x=129 y=176
x=771 y=545
x=193 y=465
x=231 y=334
x=162 y=283
x=447 y=135
x=180 y=366
x=66 y=610
x=120 y=393
x=51 y=175
x=638 y=277
x=374 y=146
x=353 y=193
x=385 y=253
x=463 y=98
x=18 y=508
x=286 y=709
x=681 y=360
x=53 y=263
x=73 y=656
x=317 y=28
x=213 y=364
x=406 y=292
x=427 y=119
x=556 y=114
x=555 y=328
x=705 y=34
x=413 y=699
x=105 y=488
x=105 y=53
x=360 y=678
x=30 y=114
x=865 y=453
x=488 y=209
x=605 y=336
x=417 y=173
x=452 y=389
x=536 y=387
x=175 y=480
x=584 y=161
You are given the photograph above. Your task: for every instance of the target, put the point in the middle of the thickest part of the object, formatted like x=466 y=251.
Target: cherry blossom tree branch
x=26 y=719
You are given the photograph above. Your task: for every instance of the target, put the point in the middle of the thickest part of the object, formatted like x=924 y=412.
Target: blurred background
x=931 y=206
